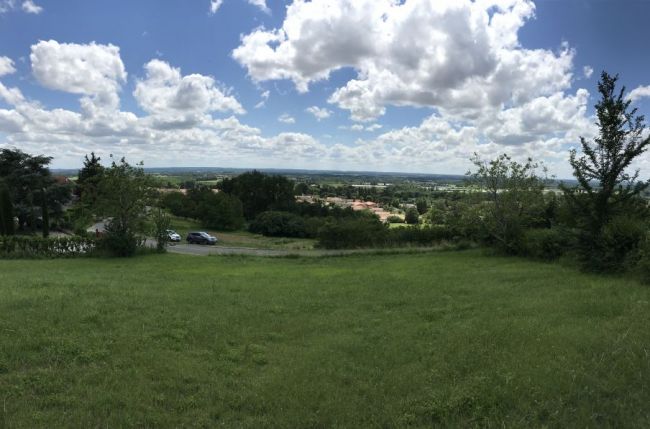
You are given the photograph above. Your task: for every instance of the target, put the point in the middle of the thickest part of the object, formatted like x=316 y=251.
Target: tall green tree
x=88 y=178
x=26 y=177
x=606 y=189
x=124 y=193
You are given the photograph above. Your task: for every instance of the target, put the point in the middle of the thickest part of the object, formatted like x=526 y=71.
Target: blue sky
x=414 y=85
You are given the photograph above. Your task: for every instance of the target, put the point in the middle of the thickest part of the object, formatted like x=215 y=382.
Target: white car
x=173 y=235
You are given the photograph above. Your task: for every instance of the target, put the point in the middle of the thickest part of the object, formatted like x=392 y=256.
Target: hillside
x=455 y=338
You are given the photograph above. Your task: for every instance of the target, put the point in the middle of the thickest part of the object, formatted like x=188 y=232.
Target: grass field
x=439 y=339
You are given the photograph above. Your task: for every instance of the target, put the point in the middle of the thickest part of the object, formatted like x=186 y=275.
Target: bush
x=20 y=246
x=279 y=224
x=547 y=244
x=395 y=219
x=117 y=242
x=415 y=235
x=349 y=233
x=412 y=216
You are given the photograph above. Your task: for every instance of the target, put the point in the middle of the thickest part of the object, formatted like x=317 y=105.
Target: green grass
x=441 y=339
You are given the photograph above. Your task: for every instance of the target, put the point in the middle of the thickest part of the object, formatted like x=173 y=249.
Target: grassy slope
x=442 y=339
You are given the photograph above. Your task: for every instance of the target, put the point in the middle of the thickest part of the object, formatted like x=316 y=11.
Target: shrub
x=395 y=219
x=348 y=233
x=415 y=235
x=119 y=242
x=20 y=246
x=547 y=244
x=412 y=216
x=279 y=224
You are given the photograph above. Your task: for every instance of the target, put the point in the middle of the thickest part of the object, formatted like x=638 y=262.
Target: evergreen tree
x=606 y=190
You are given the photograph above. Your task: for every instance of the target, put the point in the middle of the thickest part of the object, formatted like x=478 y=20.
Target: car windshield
x=205 y=234
x=171 y=231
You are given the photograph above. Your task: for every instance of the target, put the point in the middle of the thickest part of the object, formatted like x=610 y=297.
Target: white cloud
x=265 y=96
x=458 y=56
x=176 y=99
x=30 y=7
x=319 y=113
x=587 y=71
x=639 y=92
x=93 y=70
x=6 y=66
x=260 y=4
x=215 y=5
x=285 y=118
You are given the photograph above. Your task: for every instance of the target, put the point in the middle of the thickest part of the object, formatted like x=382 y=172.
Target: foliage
x=27 y=177
x=417 y=236
x=24 y=246
x=547 y=244
x=260 y=192
x=6 y=211
x=513 y=191
x=279 y=224
x=161 y=222
x=88 y=179
x=124 y=193
x=354 y=232
x=219 y=211
x=394 y=219
x=422 y=206
x=605 y=187
x=412 y=216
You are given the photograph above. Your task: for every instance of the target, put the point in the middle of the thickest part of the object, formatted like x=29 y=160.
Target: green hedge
x=18 y=246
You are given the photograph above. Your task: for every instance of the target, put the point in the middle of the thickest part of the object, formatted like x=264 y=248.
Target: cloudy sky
x=382 y=85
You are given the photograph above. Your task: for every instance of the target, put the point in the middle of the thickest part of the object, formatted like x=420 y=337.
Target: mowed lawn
x=439 y=339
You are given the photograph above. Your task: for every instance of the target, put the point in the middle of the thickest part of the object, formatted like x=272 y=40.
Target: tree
x=27 y=177
x=606 y=190
x=412 y=216
x=514 y=193
x=220 y=211
x=124 y=192
x=6 y=211
x=89 y=177
x=161 y=223
x=422 y=206
x=260 y=192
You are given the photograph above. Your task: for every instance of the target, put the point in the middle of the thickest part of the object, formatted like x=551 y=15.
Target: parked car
x=173 y=236
x=200 y=238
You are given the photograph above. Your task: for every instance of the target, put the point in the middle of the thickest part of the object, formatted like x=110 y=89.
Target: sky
x=369 y=85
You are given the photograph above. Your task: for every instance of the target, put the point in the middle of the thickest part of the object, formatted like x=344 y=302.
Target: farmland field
x=437 y=339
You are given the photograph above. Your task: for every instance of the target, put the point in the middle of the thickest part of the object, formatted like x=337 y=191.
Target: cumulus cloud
x=177 y=100
x=587 y=71
x=319 y=113
x=639 y=92
x=93 y=70
x=285 y=118
x=260 y=4
x=6 y=66
x=215 y=5
x=459 y=56
x=30 y=7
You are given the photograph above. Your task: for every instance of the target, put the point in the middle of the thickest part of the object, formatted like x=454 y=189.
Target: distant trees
x=260 y=192
x=412 y=216
x=605 y=205
x=88 y=179
x=218 y=211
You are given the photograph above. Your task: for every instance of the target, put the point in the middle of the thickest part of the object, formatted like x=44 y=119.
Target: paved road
x=204 y=250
